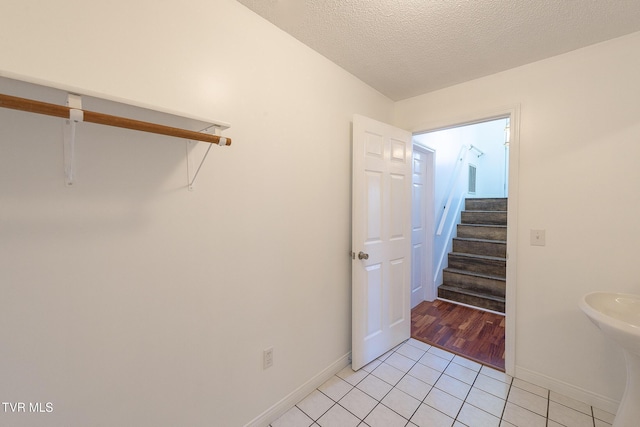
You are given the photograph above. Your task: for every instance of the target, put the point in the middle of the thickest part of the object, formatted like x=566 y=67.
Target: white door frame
x=428 y=195
x=513 y=112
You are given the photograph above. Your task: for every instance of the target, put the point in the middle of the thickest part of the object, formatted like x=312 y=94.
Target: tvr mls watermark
x=30 y=407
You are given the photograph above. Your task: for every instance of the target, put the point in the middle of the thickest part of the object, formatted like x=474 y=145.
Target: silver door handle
x=362 y=255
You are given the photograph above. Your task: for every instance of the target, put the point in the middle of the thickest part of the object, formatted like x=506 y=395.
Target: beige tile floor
x=416 y=385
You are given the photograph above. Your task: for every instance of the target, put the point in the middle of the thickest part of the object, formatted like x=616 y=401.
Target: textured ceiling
x=405 y=48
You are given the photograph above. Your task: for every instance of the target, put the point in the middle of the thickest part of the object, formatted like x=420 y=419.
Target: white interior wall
x=128 y=300
x=489 y=138
x=578 y=149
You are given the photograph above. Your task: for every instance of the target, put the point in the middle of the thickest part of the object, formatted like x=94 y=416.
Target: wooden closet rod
x=23 y=104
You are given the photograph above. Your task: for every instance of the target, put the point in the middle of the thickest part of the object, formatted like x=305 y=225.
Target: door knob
x=362 y=255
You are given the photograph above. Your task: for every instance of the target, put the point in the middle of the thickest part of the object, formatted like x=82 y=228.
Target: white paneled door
x=418 y=228
x=381 y=239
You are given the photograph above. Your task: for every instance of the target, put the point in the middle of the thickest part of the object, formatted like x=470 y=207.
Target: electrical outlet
x=538 y=238
x=267 y=358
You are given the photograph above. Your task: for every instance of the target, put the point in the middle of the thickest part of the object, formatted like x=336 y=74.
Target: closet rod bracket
x=76 y=115
x=192 y=170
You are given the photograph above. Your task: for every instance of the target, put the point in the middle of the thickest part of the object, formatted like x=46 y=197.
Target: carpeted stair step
x=475 y=299
x=495 y=248
x=476 y=282
x=486 y=204
x=484 y=217
x=494 y=266
x=479 y=231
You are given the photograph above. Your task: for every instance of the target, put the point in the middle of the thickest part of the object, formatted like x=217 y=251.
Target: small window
x=472 y=179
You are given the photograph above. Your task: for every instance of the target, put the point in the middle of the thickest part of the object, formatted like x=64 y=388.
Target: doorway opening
x=463 y=274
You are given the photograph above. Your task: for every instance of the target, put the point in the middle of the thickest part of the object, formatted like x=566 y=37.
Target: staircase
x=477 y=266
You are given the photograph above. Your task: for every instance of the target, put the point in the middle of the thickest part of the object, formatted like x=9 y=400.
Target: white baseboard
x=298 y=394
x=569 y=390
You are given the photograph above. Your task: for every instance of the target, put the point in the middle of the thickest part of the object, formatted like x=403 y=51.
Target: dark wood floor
x=475 y=334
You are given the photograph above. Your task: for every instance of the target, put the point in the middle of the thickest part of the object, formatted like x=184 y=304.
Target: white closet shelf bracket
x=76 y=115
x=192 y=170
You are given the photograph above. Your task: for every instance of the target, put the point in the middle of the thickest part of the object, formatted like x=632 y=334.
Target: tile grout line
x=435 y=382
x=415 y=362
x=548 y=406
x=506 y=400
x=405 y=374
x=432 y=387
x=468 y=392
x=450 y=361
x=467 y=395
x=379 y=402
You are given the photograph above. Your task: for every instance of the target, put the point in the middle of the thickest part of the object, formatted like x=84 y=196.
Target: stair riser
x=474 y=283
x=478 y=265
x=471 y=300
x=475 y=232
x=497 y=249
x=485 y=204
x=481 y=217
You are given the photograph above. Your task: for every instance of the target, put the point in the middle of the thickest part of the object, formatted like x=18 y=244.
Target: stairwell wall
x=577 y=173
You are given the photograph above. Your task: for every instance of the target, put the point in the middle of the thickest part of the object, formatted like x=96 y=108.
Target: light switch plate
x=538 y=238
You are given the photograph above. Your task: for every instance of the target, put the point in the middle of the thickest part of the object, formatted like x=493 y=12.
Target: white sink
x=618 y=317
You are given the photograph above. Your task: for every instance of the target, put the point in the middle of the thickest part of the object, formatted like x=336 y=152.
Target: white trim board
x=569 y=390
x=286 y=403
